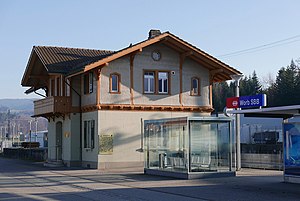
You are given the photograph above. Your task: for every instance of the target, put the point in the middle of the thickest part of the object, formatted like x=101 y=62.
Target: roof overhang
x=284 y=112
x=35 y=74
x=219 y=71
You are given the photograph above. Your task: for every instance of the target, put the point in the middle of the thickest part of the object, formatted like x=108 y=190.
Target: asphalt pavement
x=25 y=180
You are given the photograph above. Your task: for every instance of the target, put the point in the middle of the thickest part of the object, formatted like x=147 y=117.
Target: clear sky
x=217 y=27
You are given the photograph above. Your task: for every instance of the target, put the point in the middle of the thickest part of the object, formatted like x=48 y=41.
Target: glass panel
x=195 y=86
x=160 y=86
x=114 y=83
x=166 y=86
x=145 y=85
x=152 y=85
x=209 y=146
x=91 y=82
x=85 y=135
x=149 y=82
x=163 y=82
x=166 y=145
x=93 y=134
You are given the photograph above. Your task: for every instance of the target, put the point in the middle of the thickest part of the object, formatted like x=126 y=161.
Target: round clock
x=156 y=55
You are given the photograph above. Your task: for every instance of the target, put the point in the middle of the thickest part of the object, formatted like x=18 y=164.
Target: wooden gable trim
x=135 y=48
x=209 y=58
x=32 y=59
x=167 y=39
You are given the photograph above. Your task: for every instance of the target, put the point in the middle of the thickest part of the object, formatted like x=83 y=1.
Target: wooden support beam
x=98 y=92
x=131 y=78
x=216 y=71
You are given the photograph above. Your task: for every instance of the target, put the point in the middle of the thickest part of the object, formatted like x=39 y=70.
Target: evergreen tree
x=221 y=91
x=285 y=90
x=250 y=85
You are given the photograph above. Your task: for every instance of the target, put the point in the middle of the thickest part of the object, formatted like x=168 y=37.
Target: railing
x=52 y=105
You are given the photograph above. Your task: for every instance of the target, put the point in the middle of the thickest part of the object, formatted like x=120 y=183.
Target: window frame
x=89 y=134
x=118 y=91
x=163 y=87
x=88 y=83
x=156 y=81
x=192 y=86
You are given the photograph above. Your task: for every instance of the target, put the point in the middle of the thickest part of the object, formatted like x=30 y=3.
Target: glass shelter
x=189 y=147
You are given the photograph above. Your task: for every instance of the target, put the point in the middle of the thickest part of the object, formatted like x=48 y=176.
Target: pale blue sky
x=217 y=27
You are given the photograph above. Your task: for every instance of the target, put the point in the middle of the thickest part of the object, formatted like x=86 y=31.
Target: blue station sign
x=259 y=100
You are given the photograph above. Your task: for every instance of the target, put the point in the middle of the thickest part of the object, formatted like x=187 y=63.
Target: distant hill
x=16 y=104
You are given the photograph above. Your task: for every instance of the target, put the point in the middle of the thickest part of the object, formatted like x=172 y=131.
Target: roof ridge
x=77 y=48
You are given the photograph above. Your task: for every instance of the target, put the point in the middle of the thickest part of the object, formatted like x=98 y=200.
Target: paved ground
x=20 y=180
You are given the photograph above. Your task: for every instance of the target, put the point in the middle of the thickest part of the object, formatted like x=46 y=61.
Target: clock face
x=156 y=55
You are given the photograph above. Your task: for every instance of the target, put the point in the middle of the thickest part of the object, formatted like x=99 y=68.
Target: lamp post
x=30 y=121
x=36 y=128
x=236 y=79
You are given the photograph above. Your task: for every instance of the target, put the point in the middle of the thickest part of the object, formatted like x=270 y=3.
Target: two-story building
x=96 y=100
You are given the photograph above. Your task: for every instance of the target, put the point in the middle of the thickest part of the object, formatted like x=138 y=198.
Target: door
x=58 y=141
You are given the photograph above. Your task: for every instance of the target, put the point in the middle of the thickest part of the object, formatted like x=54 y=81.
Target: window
x=163 y=78
x=52 y=82
x=156 y=82
x=57 y=86
x=114 y=83
x=195 y=89
x=89 y=134
x=68 y=87
x=88 y=83
x=149 y=82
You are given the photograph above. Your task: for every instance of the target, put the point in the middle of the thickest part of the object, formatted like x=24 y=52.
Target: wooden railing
x=52 y=105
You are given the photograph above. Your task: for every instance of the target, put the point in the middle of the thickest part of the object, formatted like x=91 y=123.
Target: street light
x=236 y=79
x=36 y=128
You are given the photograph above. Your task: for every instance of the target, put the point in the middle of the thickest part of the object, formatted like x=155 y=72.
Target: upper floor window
x=195 y=88
x=114 y=83
x=163 y=82
x=88 y=83
x=156 y=82
x=149 y=84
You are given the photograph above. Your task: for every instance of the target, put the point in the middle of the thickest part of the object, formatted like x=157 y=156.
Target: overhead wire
x=262 y=47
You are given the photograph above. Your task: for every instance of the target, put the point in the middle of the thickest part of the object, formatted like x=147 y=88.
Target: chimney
x=153 y=33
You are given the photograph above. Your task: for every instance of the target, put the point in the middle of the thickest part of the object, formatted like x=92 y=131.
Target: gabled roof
x=73 y=61
x=65 y=60
x=62 y=59
x=219 y=70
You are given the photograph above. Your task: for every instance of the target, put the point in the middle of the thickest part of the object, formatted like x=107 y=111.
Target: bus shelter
x=189 y=147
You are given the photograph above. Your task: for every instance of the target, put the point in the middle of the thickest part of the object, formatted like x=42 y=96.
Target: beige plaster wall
x=126 y=126
x=143 y=61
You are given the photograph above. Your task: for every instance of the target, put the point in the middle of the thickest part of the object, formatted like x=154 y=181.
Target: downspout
x=80 y=119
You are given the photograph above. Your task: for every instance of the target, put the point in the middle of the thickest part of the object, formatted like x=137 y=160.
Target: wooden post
x=98 y=73
x=131 y=78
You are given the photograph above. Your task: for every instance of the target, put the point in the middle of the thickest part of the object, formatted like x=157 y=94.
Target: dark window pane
x=114 y=83
x=166 y=86
x=91 y=82
x=160 y=83
x=85 y=135
x=93 y=134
